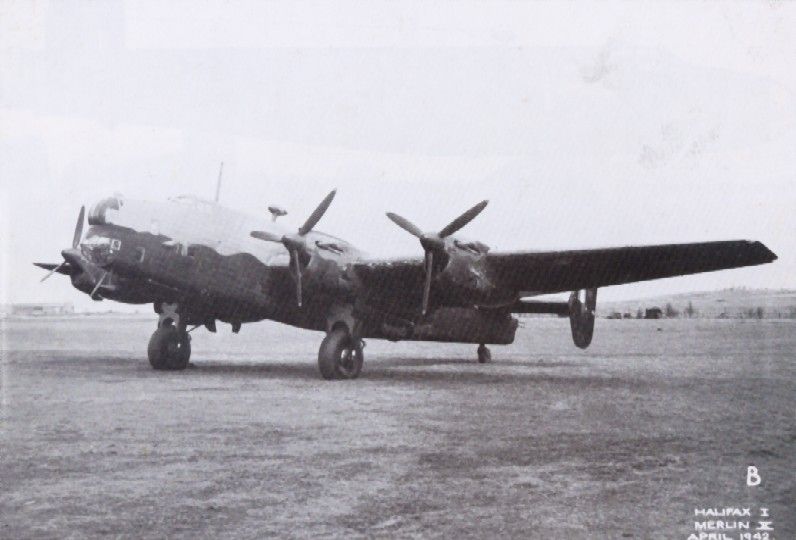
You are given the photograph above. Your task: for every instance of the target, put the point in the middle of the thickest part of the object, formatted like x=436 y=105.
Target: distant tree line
x=669 y=311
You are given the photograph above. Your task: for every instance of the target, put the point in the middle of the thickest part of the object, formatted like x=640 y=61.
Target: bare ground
x=622 y=441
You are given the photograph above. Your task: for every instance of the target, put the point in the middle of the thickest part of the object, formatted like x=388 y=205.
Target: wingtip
x=764 y=253
x=770 y=254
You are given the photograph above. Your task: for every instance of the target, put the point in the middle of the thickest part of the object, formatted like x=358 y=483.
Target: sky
x=584 y=124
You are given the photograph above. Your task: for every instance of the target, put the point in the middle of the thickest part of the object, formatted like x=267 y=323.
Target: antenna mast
x=218 y=183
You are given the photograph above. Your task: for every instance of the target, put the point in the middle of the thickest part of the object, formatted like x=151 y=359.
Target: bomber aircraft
x=198 y=262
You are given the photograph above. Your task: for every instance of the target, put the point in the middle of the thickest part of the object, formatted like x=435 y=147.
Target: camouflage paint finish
x=201 y=256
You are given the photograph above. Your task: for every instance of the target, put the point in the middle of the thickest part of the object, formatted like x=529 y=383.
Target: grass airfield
x=623 y=440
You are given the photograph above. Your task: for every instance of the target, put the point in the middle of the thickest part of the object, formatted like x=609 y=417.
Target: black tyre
x=582 y=316
x=484 y=354
x=340 y=357
x=169 y=349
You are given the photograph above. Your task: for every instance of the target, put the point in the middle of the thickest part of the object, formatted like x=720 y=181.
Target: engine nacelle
x=581 y=316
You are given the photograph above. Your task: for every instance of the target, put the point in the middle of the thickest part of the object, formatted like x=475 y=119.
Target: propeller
x=296 y=243
x=79 y=227
x=75 y=242
x=51 y=272
x=434 y=242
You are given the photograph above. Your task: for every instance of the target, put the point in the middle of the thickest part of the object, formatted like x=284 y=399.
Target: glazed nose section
x=99 y=250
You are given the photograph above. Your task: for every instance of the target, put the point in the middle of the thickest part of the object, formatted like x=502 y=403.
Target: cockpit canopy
x=203 y=205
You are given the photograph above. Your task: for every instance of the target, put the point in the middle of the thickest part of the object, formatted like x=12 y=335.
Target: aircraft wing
x=559 y=271
x=545 y=272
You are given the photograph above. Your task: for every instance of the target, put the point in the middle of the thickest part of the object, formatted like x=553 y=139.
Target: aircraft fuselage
x=200 y=255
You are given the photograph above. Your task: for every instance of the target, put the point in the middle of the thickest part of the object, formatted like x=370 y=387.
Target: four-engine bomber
x=198 y=263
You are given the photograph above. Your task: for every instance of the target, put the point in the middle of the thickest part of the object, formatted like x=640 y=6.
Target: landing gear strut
x=484 y=355
x=170 y=345
x=341 y=355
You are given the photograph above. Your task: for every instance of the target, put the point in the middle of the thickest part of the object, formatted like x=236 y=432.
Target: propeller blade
x=463 y=220
x=97 y=286
x=316 y=216
x=51 y=272
x=405 y=224
x=47 y=266
x=79 y=227
x=429 y=276
x=297 y=269
x=267 y=236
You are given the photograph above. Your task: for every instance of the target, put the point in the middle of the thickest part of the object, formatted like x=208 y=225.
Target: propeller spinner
x=434 y=242
x=296 y=243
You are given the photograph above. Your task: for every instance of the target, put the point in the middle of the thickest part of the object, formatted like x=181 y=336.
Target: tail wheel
x=340 y=355
x=169 y=349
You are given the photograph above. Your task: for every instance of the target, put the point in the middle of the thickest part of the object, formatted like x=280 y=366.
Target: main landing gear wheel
x=340 y=355
x=169 y=348
x=581 y=316
x=484 y=354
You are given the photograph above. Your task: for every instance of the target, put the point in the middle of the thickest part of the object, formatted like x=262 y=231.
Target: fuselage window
x=140 y=253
